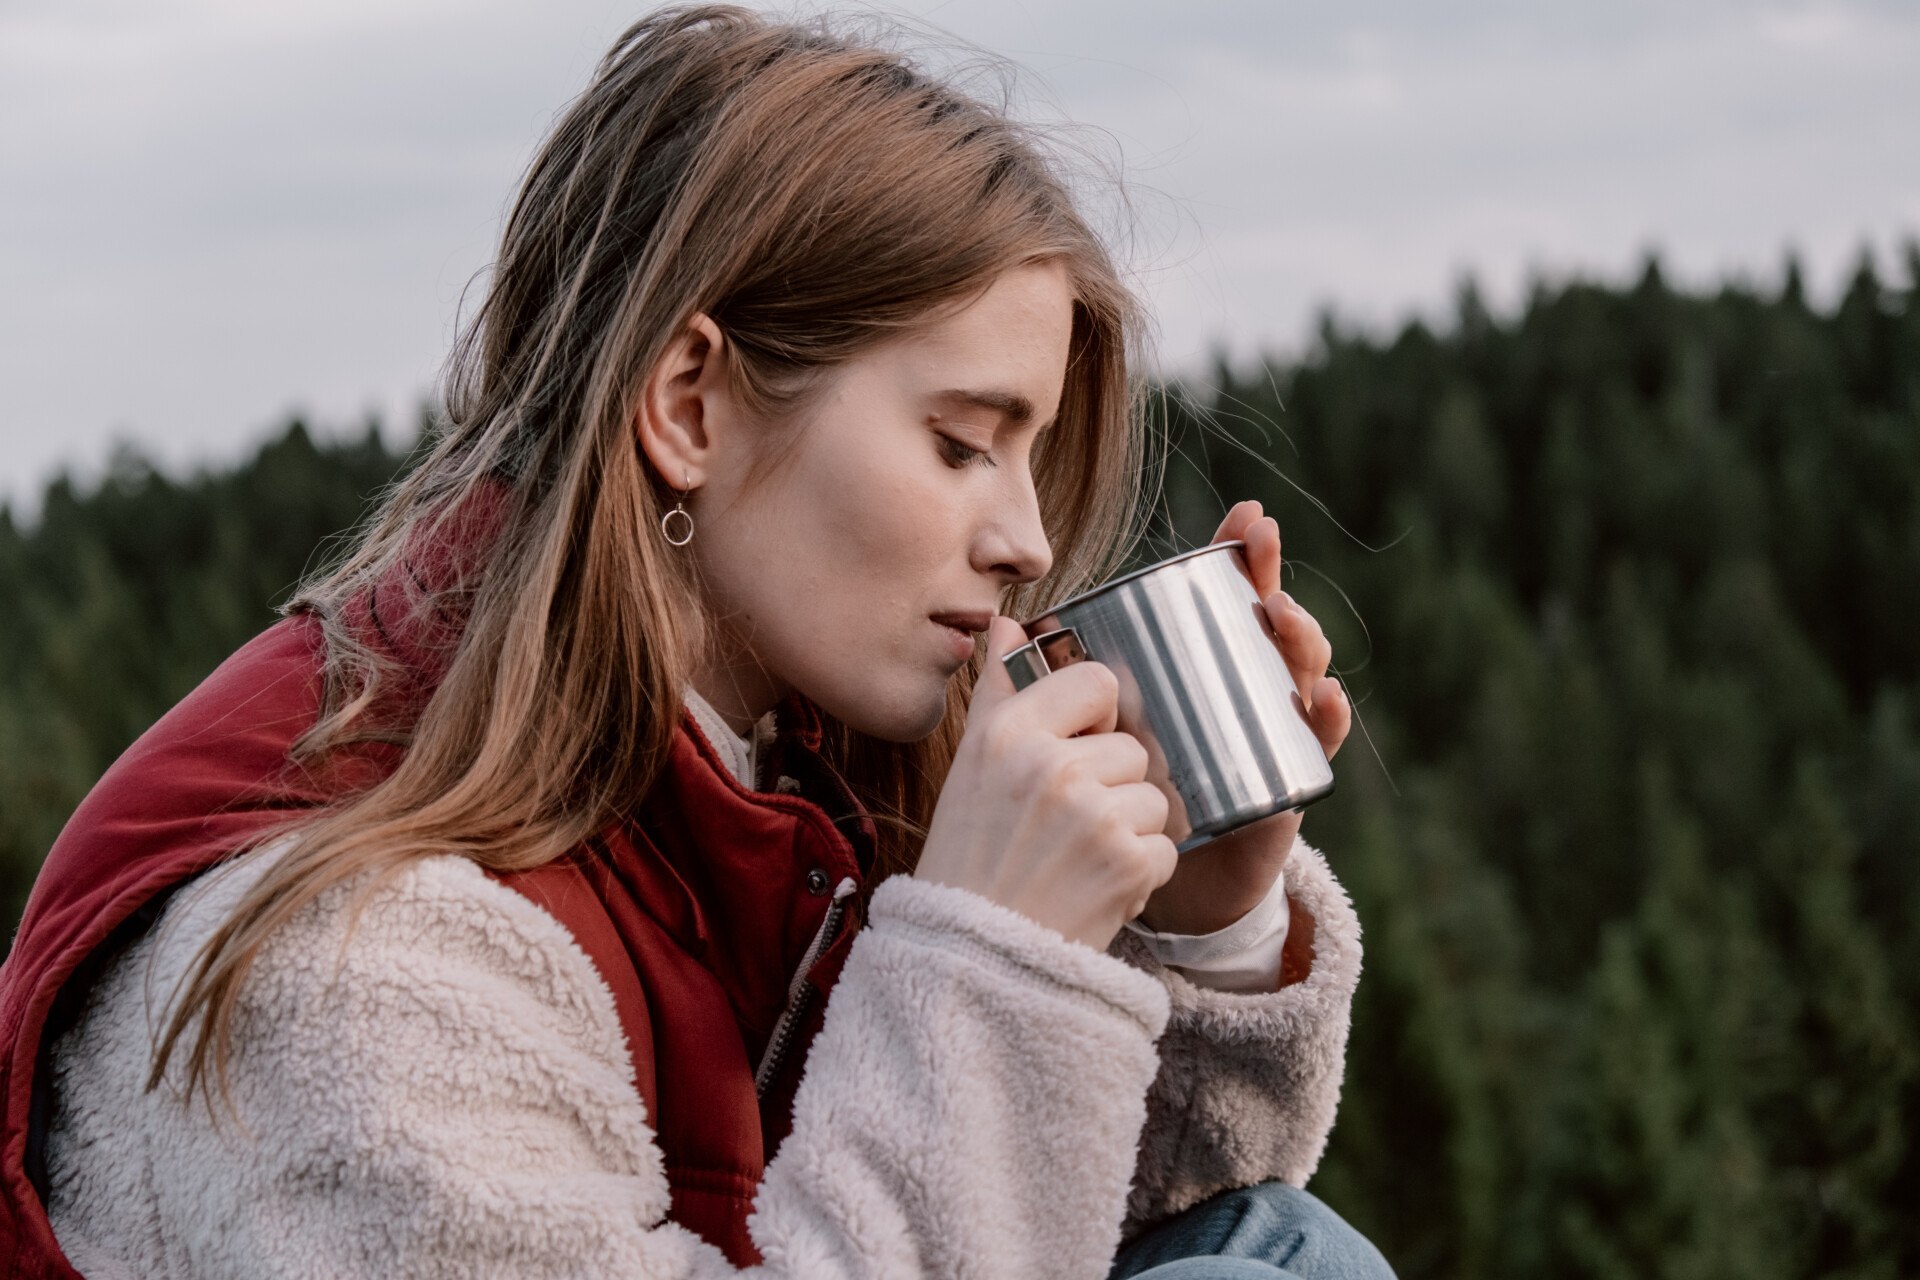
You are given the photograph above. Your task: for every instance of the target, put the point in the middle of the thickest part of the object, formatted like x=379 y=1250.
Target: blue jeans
x=1269 y=1232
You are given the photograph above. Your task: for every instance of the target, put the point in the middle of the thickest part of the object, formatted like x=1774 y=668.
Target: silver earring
x=667 y=527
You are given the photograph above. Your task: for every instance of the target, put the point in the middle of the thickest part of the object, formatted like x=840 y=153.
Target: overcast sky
x=216 y=212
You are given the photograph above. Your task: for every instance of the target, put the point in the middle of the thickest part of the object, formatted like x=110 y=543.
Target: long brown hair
x=814 y=195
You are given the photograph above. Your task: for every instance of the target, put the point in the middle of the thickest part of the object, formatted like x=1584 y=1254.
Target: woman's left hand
x=1221 y=881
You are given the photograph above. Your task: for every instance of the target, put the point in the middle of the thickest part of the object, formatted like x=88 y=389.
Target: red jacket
x=697 y=914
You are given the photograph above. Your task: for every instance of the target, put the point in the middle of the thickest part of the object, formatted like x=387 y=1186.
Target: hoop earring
x=667 y=526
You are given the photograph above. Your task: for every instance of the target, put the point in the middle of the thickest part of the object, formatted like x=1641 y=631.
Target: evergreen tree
x=1655 y=1169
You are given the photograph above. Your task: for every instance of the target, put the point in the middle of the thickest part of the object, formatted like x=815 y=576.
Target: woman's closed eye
x=961 y=454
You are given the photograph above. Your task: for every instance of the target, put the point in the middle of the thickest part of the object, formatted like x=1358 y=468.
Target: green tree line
x=1623 y=586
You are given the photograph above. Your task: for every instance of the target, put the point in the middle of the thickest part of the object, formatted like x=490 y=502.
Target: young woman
x=480 y=917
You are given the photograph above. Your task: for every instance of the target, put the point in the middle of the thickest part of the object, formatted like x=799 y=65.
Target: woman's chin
x=908 y=715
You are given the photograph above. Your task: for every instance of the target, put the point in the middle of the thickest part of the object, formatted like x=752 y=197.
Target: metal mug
x=1203 y=687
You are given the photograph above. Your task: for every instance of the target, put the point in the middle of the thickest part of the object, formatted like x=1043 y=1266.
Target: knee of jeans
x=1329 y=1246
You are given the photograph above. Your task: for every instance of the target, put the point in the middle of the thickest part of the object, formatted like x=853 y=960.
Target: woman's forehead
x=1005 y=351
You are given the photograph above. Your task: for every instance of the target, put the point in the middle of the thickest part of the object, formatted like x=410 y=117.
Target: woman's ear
x=686 y=406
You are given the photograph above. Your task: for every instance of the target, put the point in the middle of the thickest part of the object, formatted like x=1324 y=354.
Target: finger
x=1332 y=715
x=1110 y=758
x=1237 y=520
x=995 y=684
x=1162 y=857
x=1082 y=698
x=1142 y=806
x=1260 y=557
x=1303 y=644
x=1262 y=537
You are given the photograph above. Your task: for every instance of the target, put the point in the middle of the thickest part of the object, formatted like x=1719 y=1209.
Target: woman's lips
x=960 y=629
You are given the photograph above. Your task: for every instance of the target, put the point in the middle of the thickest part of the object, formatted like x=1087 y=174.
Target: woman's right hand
x=1062 y=828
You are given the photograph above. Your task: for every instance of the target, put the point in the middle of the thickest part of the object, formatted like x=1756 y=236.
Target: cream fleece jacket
x=447 y=1092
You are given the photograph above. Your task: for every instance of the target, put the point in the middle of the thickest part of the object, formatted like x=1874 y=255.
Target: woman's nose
x=1014 y=546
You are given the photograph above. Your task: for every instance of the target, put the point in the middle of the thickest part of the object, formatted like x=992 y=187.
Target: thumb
x=1004 y=635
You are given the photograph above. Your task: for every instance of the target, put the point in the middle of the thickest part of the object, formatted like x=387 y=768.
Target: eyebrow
x=1015 y=408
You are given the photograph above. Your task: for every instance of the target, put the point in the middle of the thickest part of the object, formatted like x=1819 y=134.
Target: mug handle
x=1043 y=655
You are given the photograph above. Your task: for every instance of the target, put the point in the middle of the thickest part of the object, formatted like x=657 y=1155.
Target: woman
x=477 y=919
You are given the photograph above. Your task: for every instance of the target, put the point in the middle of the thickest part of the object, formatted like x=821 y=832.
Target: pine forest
x=1624 y=587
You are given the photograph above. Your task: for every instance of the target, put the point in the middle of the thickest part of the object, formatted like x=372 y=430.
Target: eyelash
x=965 y=455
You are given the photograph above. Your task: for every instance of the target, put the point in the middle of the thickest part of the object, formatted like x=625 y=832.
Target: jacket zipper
x=799 y=994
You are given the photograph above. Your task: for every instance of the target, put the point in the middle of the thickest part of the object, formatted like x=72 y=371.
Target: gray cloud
x=212 y=212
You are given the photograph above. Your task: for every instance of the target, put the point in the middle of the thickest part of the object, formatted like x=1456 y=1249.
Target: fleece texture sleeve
x=446 y=1092
x=1248 y=1082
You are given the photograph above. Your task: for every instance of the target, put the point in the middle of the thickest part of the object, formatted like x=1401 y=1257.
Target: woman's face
x=858 y=569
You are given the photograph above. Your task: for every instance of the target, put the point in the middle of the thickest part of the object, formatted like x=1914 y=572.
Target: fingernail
x=1289 y=599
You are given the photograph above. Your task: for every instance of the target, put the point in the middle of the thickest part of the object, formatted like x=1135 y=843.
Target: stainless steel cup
x=1202 y=685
